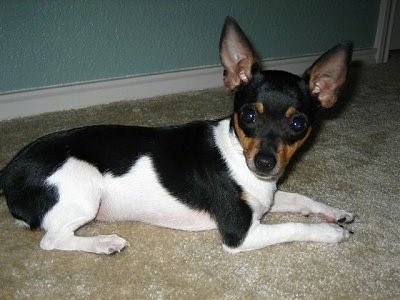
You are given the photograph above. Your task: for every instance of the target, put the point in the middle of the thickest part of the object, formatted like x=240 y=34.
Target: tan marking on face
x=290 y=112
x=285 y=151
x=250 y=145
x=259 y=107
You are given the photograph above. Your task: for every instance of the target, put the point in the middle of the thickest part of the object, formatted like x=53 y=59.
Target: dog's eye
x=298 y=123
x=248 y=115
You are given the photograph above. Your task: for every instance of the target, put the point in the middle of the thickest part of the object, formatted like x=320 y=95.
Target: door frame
x=384 y=30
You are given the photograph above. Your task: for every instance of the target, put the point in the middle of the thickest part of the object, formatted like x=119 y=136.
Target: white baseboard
x=26 y=103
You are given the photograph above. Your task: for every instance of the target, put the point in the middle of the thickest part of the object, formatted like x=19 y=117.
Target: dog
x=219 y=174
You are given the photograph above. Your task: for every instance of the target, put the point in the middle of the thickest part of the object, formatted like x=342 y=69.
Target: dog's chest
x=257 y=193
x=259 y=198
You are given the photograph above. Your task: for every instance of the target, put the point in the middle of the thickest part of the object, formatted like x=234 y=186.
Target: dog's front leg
x=296 y=203
x=262 y=235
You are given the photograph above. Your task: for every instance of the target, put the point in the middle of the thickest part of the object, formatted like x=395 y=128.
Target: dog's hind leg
x=296 y=203
x=62 y=221
x=79 y=187
x=101 y=244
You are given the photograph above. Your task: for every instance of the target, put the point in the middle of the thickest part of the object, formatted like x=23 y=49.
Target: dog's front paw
x=333 y=233
x=340 y=216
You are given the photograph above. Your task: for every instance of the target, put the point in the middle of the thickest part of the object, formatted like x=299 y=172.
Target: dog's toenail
x=342 y=220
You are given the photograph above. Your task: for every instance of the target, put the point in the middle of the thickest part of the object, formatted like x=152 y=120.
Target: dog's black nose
x=264 y=162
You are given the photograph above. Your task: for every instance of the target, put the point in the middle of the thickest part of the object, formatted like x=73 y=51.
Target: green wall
x=46 y=43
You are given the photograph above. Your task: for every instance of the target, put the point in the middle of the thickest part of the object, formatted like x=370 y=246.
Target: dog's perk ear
x=328 y=73
x=237 y=56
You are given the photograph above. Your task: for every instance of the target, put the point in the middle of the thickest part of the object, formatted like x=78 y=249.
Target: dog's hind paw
x=109 y=244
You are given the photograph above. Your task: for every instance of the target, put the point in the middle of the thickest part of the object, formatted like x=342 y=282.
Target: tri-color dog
x=217 y=174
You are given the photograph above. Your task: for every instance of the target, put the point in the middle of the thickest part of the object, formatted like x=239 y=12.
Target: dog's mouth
x=274 y=177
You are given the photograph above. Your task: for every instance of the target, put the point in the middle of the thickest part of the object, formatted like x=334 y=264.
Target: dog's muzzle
x=265 y=166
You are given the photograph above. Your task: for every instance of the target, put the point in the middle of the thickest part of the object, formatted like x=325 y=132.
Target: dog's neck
x=258 y=192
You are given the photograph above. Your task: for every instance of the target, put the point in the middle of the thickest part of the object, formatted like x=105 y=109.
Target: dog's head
x=274 y=110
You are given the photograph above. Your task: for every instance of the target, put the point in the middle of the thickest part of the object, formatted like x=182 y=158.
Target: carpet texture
x=351 y=163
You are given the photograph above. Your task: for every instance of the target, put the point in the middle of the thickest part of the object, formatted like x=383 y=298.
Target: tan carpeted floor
x=352 y=163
